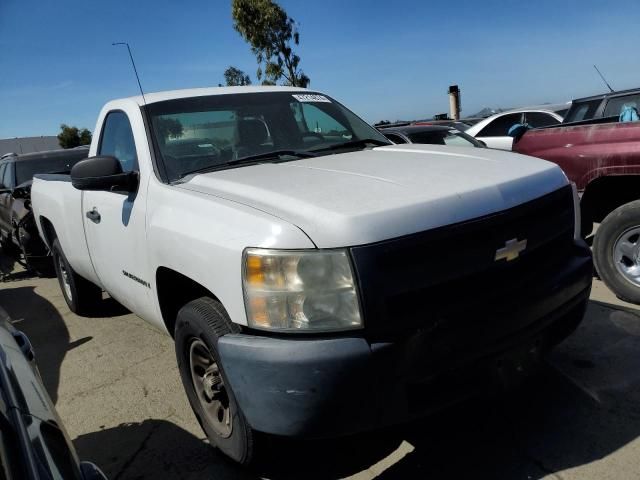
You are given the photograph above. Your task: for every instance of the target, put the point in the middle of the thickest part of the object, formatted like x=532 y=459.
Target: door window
x=615 y=105
x=500 y=126
x=117 y=141
x=2 y=169
x=582 y=111
x=7 y=176
x=540 y=119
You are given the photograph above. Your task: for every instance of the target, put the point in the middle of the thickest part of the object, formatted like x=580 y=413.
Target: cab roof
x=155 y=97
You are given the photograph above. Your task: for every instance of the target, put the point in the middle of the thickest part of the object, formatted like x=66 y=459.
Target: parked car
x=33 y=442
x=18 y=231
x=605 y=107
x=296 y=270
x=494 y=130
x=457 y=124
x=603 y=160
x=435 y=135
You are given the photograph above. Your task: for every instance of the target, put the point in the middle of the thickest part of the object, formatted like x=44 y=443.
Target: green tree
x=270 y=32
x=236 y=77
x=85 y=137
x=71 y=137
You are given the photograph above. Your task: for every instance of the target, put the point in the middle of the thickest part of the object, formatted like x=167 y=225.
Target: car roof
x=550 y=108
x=77 y=152
x=417 y=128
x=608 y=94
x=155 y=97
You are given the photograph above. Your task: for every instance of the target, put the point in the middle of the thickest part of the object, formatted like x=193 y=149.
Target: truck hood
x=371 y=195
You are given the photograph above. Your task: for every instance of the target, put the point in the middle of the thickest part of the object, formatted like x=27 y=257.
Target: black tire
x=82 y=296
x=622 y=221
x=203 y=322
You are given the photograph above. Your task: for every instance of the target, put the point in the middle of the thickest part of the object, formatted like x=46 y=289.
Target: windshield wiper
x=364 y=142
x=274 y=155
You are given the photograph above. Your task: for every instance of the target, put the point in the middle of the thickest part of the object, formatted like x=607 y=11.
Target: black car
x=33 y=442
x=18 y=231
x=430 y=134
x=605 y=107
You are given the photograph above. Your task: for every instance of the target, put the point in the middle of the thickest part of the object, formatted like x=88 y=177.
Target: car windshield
x=210 y=132
x=443 y=137
x=25 y=170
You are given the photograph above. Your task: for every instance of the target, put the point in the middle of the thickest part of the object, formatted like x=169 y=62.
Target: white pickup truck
x=317 y=279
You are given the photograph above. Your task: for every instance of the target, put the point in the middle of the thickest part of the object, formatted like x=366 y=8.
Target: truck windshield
x=209 y=132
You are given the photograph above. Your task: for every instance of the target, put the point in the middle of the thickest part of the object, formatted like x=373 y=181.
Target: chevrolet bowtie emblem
x=511 y=249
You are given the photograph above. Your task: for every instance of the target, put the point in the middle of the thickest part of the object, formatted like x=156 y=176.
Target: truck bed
x=51 y=197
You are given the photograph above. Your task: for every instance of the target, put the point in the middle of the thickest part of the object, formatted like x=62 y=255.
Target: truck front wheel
x=199 y=325
x=81 y=295
x=616 y=251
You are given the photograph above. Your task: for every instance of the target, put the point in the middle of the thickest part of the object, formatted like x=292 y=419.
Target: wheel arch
x=175 y=290
x=48 y=231
x=604 y=194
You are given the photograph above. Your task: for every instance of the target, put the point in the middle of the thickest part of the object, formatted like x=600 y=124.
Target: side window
x=539 y=119
x=3 y=166
x=615 y=105
x=395 y=138
x=7 y=176
x=117 y=140
x=582 y=111
x=500 y=126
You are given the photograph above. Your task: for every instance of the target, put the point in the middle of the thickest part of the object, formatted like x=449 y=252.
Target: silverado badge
x=511 y=249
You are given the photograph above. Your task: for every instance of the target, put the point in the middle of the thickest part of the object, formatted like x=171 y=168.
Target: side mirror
x=103 y=173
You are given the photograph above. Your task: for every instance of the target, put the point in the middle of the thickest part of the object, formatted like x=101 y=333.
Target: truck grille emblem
x=511 y=249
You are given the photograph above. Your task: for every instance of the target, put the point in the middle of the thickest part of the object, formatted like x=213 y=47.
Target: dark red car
x=603 y=159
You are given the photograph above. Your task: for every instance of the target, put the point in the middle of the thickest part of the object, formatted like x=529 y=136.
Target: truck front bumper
x=309 y=387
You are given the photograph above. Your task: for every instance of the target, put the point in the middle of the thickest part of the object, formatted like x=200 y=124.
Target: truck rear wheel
x=616 y=251
x=199 y=325
x=81 y=295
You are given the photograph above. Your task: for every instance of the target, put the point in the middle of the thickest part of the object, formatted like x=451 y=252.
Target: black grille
x=421 y=280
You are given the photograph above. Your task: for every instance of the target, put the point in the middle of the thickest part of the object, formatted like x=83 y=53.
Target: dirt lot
x=117 y=389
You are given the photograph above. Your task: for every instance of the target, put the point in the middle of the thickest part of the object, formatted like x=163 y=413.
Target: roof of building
x=28 y=144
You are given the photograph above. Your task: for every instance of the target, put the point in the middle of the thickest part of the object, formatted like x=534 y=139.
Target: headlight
x=295 y=290
x=577 y=218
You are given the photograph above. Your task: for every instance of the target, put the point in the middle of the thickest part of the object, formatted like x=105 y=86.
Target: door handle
x=93 y=215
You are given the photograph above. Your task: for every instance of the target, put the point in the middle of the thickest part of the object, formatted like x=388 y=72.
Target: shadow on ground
x=155 y=449
x=44 y=326
x=10 y=269
x=579 y=409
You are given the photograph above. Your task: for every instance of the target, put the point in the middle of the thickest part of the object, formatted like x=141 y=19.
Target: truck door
x=115 y=222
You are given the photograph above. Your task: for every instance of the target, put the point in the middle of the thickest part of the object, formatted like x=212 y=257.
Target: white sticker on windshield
x=306 y=97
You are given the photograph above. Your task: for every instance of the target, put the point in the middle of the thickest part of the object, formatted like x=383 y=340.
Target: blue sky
x=384 y=60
